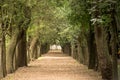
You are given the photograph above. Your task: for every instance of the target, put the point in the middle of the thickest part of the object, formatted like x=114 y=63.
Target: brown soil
x=54 y=66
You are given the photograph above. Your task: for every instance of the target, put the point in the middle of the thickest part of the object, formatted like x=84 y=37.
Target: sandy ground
x=54 y=66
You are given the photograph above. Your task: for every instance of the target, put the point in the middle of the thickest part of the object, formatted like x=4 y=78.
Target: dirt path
x=54 y=67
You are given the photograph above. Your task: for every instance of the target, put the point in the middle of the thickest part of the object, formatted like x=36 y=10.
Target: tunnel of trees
x=87 y=30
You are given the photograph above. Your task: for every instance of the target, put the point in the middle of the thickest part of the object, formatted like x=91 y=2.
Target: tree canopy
x=88 y=29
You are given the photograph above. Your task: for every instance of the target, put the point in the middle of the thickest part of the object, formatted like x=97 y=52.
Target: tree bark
x=2 y=55
x=1 y=65
x=67 y=48
x=33 y=48
x=114 y=42
x=44 y=48
x=11 y=51
x=38 y=50
x=80 y=54
x=22 y=51
x=92 y=51
x=103 y=53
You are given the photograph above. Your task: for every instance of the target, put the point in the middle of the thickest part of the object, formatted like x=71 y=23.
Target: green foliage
x=57 y=21
x=101 y=11
x=49 y=20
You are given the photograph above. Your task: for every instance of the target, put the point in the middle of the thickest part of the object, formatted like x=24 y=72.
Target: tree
x=102 y=27
x=21 y=20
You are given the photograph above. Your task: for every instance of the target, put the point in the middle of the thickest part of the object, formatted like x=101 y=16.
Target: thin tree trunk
x=83 y=48
x=75 y=51
x=72 y=49
x=1 y=68
x=114 y=46
x=2 y=55
x=67 y=49
x=33 y=47
x=38 y=49
x=92 y=51
x=80 y=55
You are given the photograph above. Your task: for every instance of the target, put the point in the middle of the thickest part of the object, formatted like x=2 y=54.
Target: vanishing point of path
x=54 y=66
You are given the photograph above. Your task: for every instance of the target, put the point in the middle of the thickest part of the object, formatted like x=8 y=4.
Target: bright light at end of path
x=55 y=47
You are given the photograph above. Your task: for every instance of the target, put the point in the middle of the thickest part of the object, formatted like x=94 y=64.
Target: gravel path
x=54 y=66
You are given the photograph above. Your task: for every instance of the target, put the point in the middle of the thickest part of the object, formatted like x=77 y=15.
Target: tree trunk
x=2 y=55
x=84 y=54
x=33 y=47
x=38 y=50
x=28 y=50
x=114 y=46
x=67 y=49
x=92 y=51
x=11 y=51
x=1 y=63
x=72 y=49
x=22 y=50
x=35 y=56
x=75 y=51
x=44 y=48
x=80 y=54
x=103 y=53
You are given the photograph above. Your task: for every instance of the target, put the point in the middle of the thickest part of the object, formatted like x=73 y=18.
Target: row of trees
x=27 y=28
x=15 y=18
x=95 y=35
x=88 y=30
